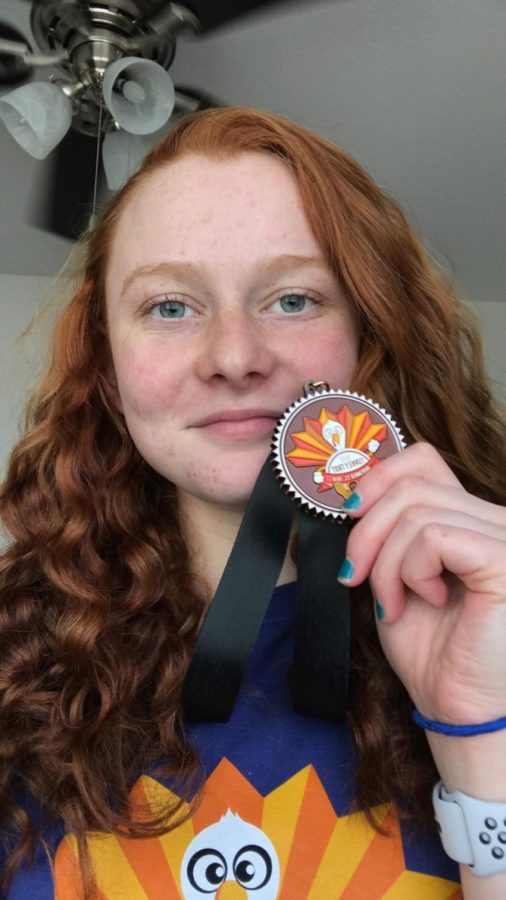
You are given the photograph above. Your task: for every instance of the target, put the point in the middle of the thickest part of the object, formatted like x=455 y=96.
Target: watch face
x=326 y=442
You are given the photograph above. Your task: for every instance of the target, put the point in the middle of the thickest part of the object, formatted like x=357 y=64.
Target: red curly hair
x=89 y=690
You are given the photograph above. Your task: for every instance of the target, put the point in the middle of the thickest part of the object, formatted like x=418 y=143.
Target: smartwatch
x=472 y=832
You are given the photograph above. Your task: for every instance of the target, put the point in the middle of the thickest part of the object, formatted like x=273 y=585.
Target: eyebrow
x=178 y=269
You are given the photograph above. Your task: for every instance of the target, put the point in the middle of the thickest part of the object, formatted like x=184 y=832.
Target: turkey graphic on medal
x=326 y=442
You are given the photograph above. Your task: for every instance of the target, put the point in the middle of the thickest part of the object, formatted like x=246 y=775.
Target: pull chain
x=93 y=217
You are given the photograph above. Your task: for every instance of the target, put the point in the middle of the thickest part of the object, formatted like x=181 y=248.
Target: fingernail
x=346 y=571
x=380 y=612
x=354 y=501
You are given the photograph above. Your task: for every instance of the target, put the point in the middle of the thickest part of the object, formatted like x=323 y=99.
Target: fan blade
x=212 y=14
x=13 y=70
x=67 y=194
x=191 y=99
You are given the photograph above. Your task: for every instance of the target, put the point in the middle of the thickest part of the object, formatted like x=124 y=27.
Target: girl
x=245 y=258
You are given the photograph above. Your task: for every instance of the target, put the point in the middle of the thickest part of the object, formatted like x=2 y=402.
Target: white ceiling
x=415 y=90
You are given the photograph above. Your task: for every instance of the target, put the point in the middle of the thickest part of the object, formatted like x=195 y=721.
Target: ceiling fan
x=102 y=80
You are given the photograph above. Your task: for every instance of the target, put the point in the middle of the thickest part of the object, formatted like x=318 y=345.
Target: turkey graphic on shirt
x=239 y=845
x=230 y=851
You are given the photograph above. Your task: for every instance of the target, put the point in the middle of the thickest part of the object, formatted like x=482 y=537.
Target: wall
x=21 y=354
x=492 y=317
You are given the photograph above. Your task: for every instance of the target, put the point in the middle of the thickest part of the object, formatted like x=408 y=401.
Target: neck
x=210 y=530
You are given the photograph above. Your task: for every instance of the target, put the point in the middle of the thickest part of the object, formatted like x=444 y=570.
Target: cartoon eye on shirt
x=230 y=858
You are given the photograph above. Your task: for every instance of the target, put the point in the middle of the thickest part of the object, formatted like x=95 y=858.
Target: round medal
x=326 y=442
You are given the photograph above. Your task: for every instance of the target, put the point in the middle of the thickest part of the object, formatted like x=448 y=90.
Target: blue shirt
x=274 y=821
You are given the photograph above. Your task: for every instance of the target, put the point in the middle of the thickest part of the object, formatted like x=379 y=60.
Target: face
x=220 y=306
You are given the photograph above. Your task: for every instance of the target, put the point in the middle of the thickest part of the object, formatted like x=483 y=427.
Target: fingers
x=413 y=503
x=476 y=558
x=420 y=460
x=410 y=509
x=419 y=467
x=421 y=550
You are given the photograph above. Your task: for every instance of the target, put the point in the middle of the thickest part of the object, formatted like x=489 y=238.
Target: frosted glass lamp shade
x=37 y=115
x=122 y=153
x=139 y=94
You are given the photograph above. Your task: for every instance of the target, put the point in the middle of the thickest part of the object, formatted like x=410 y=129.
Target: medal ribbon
x=319 y=675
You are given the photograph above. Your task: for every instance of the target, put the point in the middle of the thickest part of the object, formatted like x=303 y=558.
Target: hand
x=436 y=560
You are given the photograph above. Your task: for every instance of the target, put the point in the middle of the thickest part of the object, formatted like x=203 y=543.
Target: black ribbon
x=319 y=675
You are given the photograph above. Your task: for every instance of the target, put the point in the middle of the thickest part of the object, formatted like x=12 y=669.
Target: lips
x=237 y=415
x=239 y=423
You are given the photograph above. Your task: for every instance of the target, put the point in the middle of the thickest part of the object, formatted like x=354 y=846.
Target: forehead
x=251 y=197
x=196 y=175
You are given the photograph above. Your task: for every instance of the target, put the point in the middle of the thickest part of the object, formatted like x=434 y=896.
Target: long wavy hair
x=99 y=607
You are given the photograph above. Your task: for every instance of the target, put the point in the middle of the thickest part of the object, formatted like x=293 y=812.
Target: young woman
x=246 y=258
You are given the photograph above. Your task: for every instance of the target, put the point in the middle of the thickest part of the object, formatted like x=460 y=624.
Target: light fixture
x=84 y=40
x=139 y=94
x=37 y=115
x=122 y=153
x=108 y=64
x=112 y=63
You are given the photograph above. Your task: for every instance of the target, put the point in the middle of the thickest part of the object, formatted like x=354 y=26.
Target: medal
x=326 y=441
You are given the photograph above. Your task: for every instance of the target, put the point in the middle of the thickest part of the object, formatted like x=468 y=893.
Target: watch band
x=473 y=832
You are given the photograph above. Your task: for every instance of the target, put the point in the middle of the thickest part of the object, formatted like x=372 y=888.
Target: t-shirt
x=274 y=821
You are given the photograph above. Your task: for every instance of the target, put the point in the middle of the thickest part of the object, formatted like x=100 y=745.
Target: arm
x=477 y=767
x=436 y=560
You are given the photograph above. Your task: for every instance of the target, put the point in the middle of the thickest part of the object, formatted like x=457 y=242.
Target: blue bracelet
x=458 y=730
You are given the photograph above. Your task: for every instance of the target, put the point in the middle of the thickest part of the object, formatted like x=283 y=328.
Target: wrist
x=474 y=765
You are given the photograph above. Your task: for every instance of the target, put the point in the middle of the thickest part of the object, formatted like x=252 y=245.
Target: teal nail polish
x=354 y=501
x=380 y=612
x=347 y=569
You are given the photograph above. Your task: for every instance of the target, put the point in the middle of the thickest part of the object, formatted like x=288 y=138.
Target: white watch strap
x=472 y=832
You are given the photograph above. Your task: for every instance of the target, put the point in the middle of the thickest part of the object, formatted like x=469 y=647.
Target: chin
x=230 y=486
x=231 y=495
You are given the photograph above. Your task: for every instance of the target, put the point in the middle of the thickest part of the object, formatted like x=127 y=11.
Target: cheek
x=145 y=378
x=330 y=355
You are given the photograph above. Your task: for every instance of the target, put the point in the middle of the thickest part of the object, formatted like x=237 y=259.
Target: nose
x=235 y=349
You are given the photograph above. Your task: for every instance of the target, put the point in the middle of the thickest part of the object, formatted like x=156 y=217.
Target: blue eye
x=293 y=303
x=168 y=309
x=174 y=309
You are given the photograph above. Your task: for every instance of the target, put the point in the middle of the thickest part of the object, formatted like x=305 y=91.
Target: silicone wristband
x=458 y=730
x=473 y=832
